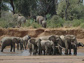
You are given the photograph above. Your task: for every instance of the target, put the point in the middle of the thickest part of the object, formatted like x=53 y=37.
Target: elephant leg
x=25 y=45
x=17 y=46
x=2 y=48
x=44 y=52
x=11 y=48
x=21 y=46
x=39 y=51
x=30 y=51
x=70 y=48
x=53 y=53
x=69 y=51
x=59 y=51
x=75 y=51
x=14 y=47
x=66 y=48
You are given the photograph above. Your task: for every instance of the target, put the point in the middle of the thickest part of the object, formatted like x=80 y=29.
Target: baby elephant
x=9 y=41
x=44 y=23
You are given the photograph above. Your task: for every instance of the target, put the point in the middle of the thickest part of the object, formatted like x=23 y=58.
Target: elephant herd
x=45 y=45
x=22 y=20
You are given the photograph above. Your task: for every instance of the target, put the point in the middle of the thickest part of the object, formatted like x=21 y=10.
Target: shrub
x=31 y=23
x=82 y=25
x=55 y=21
x=77 y=23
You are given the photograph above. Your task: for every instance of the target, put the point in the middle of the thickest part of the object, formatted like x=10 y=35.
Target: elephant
x=9 y=41
x=33 y=46
x=21 y=19
x=44 y=37
x=39 y=19
x=69 y=42
x=57 y=49
x=46 y=46
x=80 y=44
x=44 y=24
x=25 y=41
x=20 y=45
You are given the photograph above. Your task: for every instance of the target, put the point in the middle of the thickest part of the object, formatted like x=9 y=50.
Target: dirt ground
x=23 y=56
x=41 y=59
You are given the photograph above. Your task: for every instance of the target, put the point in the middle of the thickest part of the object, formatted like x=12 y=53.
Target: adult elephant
x=39 y=19
x=46 y=46
x=33 y=45
x=25 y=41
x=57 y=49
x=19 y=19
x=69 y=42
x=9 y=41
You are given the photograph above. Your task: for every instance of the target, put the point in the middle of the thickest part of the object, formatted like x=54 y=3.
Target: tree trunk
x=0 y=7
x=11 y=2
x=67 y=5
x=56 y=4
x=80 y=1
x=51 y=9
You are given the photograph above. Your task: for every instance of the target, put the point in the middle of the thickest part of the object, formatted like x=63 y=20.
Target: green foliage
x=48 y=16
x=31 y=23
x=3 y=23
x=74 y=11
x=55 y=21
x=77 y=23
x=82 y=25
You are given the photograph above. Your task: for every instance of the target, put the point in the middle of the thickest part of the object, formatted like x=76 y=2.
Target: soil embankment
x=20 y=32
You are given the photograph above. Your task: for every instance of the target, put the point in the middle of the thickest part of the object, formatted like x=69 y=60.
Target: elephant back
x=44 y=37
x=21 y=19
x=39 y=19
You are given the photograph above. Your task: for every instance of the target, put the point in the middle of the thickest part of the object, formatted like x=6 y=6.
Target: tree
x=26 y=7
x=0 y=7
x=46 y=7
x=80 y=1
x=12 y=4
x=70 y=9
x=66 y=13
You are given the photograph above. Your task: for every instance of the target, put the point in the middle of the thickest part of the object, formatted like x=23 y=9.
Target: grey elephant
x=25 y=41
x=69 y=42
x=44 y=24
x=21 y=19
x=20 y=45
x=33 y=46
x=46 y=47
x=80 y=44
x=57 y=42
x=39 y=19
x=44 y=37
x=9 y=41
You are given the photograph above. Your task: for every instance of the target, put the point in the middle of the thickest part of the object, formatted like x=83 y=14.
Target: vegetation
x=59 y=13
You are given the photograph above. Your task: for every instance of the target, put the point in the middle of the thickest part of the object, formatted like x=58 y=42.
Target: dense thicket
x=56 y=11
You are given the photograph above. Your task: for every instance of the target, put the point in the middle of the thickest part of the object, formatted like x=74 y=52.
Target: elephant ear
x=32 y=41
x=52 y=38
x=15 y=40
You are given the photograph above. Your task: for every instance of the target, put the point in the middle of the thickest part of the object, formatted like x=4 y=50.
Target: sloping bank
x=20 y=32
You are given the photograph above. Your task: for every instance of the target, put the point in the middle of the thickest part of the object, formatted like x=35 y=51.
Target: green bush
x=55 y=21
x=82 y=25
x=30 y=22
x=77 y=23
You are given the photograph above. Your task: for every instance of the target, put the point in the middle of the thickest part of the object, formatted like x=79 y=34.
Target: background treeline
x=59 y=13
